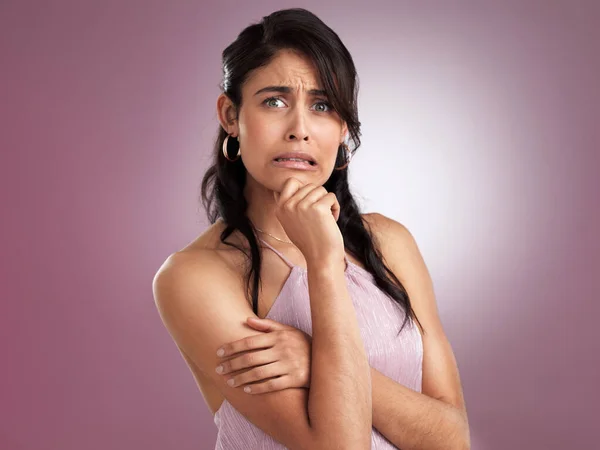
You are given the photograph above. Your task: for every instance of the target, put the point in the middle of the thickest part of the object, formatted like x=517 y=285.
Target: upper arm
x=401 y=254
x=203 y=310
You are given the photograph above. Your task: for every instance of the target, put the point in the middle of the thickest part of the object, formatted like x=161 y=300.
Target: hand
x=281 y=351
x=309 y=214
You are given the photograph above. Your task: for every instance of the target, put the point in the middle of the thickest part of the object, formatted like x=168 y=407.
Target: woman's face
x=272 y=122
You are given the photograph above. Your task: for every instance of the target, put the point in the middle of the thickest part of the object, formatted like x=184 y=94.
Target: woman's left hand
x=281 y=351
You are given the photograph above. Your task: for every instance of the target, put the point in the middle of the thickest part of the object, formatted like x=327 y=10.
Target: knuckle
x=260 y=372
x=249 y=358
x=279 y=335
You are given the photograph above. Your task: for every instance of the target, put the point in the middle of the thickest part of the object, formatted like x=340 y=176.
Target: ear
x=226 y=113
x=344 y=131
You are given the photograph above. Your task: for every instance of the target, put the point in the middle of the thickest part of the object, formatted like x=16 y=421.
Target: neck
x=261 y=211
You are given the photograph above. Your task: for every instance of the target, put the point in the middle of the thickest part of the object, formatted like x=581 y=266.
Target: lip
x=294 y=165
x=301 y=155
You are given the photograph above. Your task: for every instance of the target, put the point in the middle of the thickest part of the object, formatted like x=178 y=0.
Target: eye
x=267 y=100
x=326 y=104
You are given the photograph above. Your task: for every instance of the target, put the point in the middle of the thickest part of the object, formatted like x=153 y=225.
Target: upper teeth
x=292 y=159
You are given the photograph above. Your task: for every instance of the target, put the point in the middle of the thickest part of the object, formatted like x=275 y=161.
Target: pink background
x=107 y=119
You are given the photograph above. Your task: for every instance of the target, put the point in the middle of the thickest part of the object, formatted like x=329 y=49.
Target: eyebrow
x=287 y=90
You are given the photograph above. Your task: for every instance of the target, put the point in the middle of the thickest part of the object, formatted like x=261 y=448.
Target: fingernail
x=231 y=382
x=219 y=369
x=247 y=389
x=220 y=352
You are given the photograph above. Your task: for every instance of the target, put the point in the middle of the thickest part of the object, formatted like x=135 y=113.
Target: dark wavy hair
x=223 y=183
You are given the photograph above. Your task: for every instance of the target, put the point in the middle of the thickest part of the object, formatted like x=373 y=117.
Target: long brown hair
x=223 y=183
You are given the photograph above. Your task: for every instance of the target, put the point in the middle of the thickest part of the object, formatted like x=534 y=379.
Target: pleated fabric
x=399 y=357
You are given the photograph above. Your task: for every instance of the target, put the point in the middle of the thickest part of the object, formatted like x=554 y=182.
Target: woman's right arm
x=340 y=387
x=203 y=310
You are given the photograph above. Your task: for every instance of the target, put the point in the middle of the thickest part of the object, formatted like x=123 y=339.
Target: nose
x=298 y=126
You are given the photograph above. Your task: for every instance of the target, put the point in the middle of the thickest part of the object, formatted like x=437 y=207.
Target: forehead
x=288 y=68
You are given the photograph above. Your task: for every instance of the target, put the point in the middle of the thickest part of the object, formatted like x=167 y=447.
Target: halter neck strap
x=287 y=261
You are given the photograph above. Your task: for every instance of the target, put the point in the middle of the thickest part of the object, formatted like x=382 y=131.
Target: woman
x=340 y=362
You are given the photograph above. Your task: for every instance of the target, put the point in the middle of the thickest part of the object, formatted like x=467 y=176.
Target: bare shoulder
x=208 y=246
x=385 y=226
x=389 y=233
x=210 y=239
x=201 y=309
x=402 y=255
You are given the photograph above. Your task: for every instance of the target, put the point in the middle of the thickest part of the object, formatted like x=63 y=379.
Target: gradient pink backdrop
x=107 y=119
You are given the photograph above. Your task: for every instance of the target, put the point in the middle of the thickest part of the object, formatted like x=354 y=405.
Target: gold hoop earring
x=226 y=148
x=348 y=157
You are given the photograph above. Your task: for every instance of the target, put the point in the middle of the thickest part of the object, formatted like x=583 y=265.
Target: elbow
x=464 y=445
x=463 y=438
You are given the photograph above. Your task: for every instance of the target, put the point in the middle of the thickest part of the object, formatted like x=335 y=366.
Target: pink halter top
x=379 y=318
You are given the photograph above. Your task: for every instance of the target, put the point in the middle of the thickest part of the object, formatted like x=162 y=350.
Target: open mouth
x=295 y=159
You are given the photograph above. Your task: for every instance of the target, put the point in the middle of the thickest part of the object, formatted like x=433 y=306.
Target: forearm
x=339 y=403
x=411 y=420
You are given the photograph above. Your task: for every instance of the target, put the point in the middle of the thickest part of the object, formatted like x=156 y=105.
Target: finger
x=267 y=324
x=272 y=385
x=259 y=373
x=314 y=196
x=257 y=323
x=330 y=202
x=248 y=360
x=302 y=193
x=336 y=208
x=290 y=187
x=254 y=342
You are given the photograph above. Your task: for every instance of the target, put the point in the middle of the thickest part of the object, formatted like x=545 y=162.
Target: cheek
x=256 y=135
x=329 y=141
x=327 y=132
